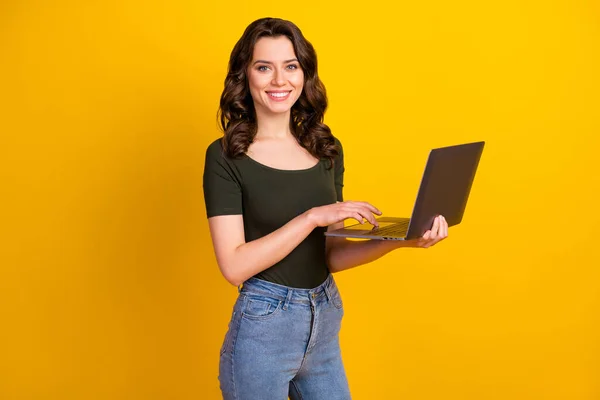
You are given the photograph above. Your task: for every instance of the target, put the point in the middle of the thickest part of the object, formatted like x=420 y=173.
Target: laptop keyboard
x=397 y=229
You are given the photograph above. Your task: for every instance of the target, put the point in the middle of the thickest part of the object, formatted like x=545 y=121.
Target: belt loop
x=288 y=298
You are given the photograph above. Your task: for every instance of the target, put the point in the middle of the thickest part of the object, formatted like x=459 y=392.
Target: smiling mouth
x=279 y=95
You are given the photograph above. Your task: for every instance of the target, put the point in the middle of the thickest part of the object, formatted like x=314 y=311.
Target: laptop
x=444 y=190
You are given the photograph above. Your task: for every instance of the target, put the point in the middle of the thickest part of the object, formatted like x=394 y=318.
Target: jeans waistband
x=288 y=294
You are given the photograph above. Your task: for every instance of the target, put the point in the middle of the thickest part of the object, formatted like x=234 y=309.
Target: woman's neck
x=275 y=126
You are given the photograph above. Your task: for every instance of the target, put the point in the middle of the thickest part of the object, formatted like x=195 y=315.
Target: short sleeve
x=338 y=166
x=221 y=182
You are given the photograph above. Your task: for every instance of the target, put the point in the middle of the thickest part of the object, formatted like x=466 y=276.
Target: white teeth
x=279 y=94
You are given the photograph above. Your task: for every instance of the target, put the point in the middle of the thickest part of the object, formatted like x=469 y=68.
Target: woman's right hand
x=333 y=213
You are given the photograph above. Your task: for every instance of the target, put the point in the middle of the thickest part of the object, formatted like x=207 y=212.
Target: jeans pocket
x=259 y=307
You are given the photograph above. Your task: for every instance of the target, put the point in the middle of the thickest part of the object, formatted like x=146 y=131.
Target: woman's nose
x=278 y=78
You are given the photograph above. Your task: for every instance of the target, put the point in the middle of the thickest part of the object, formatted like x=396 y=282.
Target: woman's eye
x=263 y=68
x=292 y=66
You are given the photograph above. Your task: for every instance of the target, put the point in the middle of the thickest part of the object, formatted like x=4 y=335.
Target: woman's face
x=274 y=76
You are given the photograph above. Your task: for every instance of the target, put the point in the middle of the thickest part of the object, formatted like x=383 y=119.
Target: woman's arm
x=239 y=260
x=343 y=254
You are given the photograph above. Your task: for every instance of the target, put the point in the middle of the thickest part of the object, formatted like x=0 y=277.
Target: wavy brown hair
x=237 y=114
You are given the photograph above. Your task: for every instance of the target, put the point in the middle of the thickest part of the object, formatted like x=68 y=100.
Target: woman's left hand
x=437 y=233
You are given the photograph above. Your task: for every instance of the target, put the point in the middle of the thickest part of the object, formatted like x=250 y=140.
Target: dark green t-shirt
x=268 y=198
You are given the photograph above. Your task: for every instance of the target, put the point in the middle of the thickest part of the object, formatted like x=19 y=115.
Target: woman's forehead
x=274 y=49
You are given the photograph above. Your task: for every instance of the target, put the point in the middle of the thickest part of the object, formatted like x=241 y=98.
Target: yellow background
x=108 y=285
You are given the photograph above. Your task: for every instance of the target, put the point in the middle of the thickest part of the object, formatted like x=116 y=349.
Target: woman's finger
x=435 y=228
x=368 y=215
x=370 y=206
x=358 y=217
x=363 y=211
x=444 y=228
x=365 y=204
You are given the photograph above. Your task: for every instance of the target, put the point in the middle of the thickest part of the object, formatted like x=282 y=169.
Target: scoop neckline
x=282 y=170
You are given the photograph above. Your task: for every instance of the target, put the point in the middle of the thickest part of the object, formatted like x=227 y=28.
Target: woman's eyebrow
x=270 y=63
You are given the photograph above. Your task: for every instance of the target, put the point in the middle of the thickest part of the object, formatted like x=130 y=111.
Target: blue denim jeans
x=284 y=342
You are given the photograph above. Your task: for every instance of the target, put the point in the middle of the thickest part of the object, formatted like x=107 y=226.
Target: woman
x=273 y=185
